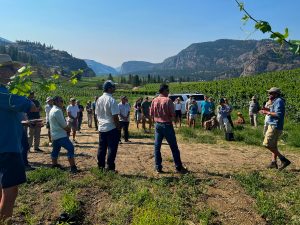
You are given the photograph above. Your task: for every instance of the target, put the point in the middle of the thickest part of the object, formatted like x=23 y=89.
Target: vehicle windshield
x=173 y=97
x=198 y=97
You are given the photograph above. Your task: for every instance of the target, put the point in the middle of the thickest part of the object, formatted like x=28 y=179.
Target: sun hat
x=274 y=90
x=108 y=84
x=49 y=99
x=5 y=60
x=239 y=113
x=72 y=99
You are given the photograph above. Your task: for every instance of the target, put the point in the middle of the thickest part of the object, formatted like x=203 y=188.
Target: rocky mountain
x=45 y=58
x=100 y=68
x=220 y=59
x=134 y=66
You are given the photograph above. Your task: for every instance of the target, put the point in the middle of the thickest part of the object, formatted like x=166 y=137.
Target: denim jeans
x=62 y=142
x=124 y=126
x=166 y=130
x=108 y=142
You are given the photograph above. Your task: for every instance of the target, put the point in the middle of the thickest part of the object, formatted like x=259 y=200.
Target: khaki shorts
x=271 y=137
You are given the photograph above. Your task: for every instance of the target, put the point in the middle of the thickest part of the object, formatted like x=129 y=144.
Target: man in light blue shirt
x=58 y=130
x=275 y=127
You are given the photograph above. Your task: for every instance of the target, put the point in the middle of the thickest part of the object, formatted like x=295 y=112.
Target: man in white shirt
x=187 y=108
x=107 y=112
x=73 y=112
x=124 y=108
x=48 y=107
x=59 y=129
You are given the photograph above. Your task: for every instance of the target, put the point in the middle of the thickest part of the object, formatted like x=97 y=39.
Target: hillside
x=45 y=58
x=100 y=68
x=220 y=59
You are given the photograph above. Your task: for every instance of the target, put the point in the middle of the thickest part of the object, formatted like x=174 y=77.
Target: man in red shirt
x=162 y=111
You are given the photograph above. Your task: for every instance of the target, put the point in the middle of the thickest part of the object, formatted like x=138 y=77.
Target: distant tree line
x=138 y=80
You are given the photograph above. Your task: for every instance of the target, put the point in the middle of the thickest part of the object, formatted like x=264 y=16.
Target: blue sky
x=114 y=31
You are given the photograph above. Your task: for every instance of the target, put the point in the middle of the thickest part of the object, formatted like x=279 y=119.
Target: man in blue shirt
x=275 y=127
x=12 y=170
x=205 y=110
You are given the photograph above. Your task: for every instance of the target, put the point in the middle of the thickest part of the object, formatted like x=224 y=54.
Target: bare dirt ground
x=206 y=161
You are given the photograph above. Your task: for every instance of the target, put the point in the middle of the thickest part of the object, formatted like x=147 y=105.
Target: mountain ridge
x=220 y=59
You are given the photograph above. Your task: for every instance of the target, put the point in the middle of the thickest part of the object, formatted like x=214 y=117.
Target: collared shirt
x=124 y=111
x=57 y=123
x=106 y=108
x=73 y=110
x=162 y=109
x=278 y=107
x=187 y=104
x=11 y=108
x=47 y=111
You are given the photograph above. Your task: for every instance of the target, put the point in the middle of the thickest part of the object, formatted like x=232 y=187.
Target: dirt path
x=206 y=161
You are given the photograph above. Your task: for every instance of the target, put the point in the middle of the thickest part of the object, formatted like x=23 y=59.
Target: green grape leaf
x=263 y=26
x=74 y=81
x=241 y=5
x=51 y=87
x=55 y=76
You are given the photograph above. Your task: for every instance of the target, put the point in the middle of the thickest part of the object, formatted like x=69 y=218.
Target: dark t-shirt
x=146 y=108
x=81 y=109
x=34 y=115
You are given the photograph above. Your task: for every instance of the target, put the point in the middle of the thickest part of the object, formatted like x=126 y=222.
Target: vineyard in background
x=238 y=90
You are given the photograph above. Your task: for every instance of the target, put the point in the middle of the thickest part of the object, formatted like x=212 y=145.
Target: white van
x=184 y=97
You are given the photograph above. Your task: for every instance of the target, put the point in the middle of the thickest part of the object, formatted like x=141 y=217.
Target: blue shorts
x=12 y=169
x=65 y=143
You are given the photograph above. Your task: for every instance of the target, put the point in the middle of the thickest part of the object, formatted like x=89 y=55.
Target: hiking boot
x=74 y=169
x=273 y=165
x=284 y=163
x=182 y=170
x=127 y=141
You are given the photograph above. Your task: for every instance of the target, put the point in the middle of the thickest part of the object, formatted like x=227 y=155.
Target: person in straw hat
x=275 y=123
x=12 y=169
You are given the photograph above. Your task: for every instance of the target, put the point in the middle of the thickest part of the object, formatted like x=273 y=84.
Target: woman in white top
x=178 y=114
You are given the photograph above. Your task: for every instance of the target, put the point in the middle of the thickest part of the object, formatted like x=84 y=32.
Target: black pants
x=230 y=120
x=108 y=143
x=96 y=121
x=25 y=147
x=79 y=123
x=124 y=127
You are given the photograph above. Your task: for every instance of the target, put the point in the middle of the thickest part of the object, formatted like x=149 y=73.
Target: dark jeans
x=124 y=127
x=166 y=130
x=79 y=123
x=230 y=120
x=96 y=121
x=108 y=142
x=25 y=147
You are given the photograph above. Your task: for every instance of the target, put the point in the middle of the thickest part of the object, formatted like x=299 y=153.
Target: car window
x=173 y=97
x=198 y=97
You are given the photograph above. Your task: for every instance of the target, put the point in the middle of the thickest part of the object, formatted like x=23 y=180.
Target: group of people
x=110 y=117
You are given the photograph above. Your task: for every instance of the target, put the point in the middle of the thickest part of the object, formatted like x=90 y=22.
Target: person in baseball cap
x=108 y=84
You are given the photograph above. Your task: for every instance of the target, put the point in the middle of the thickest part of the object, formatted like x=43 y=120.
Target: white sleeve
x=114 y=108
